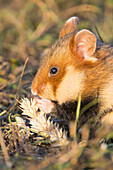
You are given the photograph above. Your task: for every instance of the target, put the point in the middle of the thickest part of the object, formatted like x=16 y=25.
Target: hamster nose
x=34 y=92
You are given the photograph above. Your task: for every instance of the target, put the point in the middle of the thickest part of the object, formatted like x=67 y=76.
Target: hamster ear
x=69 y=26
x=84 y=43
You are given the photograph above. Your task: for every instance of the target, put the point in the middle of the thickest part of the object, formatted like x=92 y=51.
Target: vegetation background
x=29 y=27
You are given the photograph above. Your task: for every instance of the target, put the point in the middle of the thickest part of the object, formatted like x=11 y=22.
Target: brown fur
x=84 y=68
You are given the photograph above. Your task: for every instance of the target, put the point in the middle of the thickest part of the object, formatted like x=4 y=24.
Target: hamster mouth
x=40 y=97
x=37 y=96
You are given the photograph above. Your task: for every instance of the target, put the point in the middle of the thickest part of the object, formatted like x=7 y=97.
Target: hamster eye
x=53 y=70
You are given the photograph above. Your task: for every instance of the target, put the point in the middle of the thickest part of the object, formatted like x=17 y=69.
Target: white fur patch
x=71 y=86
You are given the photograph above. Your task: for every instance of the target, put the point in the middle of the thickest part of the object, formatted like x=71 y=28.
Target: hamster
x=76 y=64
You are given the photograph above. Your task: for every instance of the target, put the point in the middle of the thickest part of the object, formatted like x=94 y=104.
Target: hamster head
x=61 y=75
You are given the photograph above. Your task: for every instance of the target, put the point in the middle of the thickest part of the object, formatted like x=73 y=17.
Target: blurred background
x=29 y=27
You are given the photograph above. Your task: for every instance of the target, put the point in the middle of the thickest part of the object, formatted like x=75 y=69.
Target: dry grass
x=27 y=27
